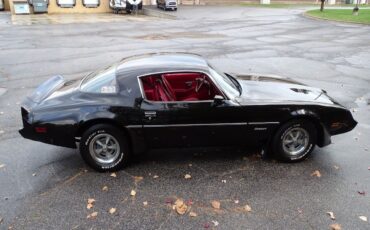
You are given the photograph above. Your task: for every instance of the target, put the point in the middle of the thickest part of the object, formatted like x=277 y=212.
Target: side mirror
x=218 y=100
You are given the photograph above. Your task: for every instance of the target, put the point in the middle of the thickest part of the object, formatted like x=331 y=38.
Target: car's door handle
x=150 y=115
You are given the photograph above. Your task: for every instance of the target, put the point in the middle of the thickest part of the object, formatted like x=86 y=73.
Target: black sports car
x=179 y=100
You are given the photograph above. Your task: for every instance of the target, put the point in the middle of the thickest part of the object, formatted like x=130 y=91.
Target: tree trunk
x=322 y=6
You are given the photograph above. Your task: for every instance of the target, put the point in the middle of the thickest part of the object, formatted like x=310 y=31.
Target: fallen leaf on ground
x=215 y=222
x=206 y=225
x=105 y=188
x=133 y=193
x=113 y=175
x=336 y=167
x=223 y=181
x=2 y=166
x=316 y=173
x=216 y=204
x=90 y=203
x=92 y=215
x=363 y=218
x=187 y=176
x=34 y=174
x=193 y=214
x=335 y=227
x=247 y=208
x=145 y=203
x=155 y=176
x=138 y=178
x=112 y=210
x=331 y=214
x=180 y=207
x=236 y=201
x=363 y=193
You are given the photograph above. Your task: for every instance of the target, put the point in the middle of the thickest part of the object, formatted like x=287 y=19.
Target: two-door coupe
x=179 y=100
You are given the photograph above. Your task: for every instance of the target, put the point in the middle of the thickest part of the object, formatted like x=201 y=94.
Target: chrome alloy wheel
x=295 y=141
x=104 y=148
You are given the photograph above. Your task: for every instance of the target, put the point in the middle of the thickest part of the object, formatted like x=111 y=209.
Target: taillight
x=40 y=129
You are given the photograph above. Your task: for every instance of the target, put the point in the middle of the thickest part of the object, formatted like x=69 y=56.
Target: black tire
x=121 y=154
x=128 y=8
x=306 y=129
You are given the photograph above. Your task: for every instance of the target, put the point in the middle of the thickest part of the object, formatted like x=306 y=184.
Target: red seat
x=176 y=82
x=177 y=87
x=162 y=92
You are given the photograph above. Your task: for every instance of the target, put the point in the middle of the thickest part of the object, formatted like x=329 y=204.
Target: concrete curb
x=332 y=20
x=157 y=13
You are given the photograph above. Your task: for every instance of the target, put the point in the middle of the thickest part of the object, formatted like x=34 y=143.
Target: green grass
x=344 y=15
x=287 y=5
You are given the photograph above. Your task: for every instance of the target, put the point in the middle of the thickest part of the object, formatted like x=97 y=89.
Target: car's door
x=193 y=123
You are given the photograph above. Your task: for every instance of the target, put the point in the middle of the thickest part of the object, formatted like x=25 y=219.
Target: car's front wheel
x=294 y=141
x=104 y=148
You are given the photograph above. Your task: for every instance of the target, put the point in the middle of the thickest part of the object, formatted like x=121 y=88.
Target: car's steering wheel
x=200 y=83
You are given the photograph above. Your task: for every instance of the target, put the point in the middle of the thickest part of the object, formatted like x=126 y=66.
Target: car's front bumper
x=171 y=5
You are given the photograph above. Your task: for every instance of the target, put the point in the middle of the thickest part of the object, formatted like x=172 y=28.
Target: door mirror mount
x=218 y=100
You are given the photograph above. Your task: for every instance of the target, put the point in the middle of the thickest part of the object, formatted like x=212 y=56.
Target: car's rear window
x=103 y=81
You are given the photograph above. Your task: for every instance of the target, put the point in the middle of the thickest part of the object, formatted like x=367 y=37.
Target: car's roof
x=161 y=62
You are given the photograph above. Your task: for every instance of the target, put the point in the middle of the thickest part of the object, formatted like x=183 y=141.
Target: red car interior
x=179 y=87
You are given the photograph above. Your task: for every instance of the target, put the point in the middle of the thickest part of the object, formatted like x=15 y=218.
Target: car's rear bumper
x=47 y=133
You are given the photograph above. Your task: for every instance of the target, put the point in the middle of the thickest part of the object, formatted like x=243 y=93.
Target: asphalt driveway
x=47 y=187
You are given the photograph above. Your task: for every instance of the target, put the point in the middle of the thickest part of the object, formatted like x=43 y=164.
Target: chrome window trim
x=177 y=71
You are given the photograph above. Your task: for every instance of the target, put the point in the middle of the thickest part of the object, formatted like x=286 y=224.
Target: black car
x=179 y=100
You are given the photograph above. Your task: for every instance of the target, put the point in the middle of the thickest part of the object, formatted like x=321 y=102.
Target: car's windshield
x=102 y=81
x=225 y=83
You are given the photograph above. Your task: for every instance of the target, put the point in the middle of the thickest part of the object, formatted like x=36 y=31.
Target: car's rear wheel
x=294 y=141
x=104 y=148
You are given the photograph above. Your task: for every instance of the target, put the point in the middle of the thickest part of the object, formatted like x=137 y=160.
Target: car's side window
x=101 y=82
x=178 y=86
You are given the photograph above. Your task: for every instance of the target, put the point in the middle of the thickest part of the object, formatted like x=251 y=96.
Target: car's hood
x=270 y=89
